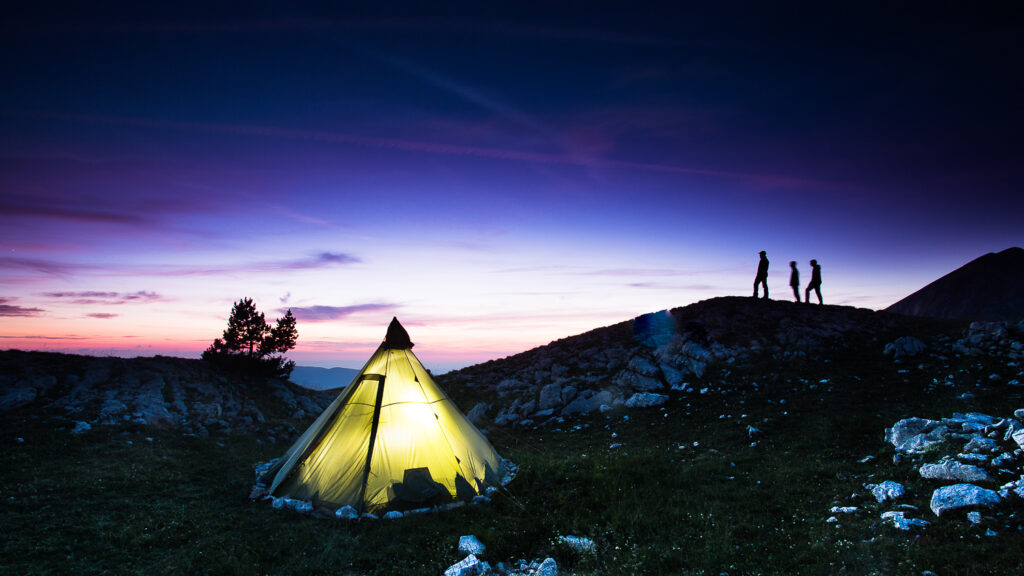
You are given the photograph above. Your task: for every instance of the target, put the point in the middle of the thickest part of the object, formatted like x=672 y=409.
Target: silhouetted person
x=762 y=274
x=794 y=280
x=815 y=283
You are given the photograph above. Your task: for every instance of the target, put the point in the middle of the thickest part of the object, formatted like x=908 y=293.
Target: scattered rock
x=471 y=545
x=901 y=522
x=950 y=469
x=646 y=400
x=478 y=413
x=904 y=347
x=468 y=566
x=959 y=496
x=579 y=544
x=81 y=427
x=915 y=435
x=346 y=513
x=887 y=491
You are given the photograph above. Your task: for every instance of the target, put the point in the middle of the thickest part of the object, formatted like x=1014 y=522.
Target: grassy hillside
x=686 y=491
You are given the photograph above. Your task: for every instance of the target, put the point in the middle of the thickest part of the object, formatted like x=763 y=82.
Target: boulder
x=960 y=496
x=477 y=413
x=633 y=381
x=888 y=490
x=17 y=397
x=915 y=435
x=901 y=522
x=904 y=347
x=468 y=566
x=550 y=396
x=950 y=469
x=471 y=545
x=346 y=513
x=579 y=544
x=81 y=427
x=547 y=568
x=646 y=400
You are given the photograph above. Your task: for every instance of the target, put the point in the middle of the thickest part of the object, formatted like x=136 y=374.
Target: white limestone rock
x=346 y=513
x=887 y=491
x=579 y=544
x=915 y=435
x=950 y=469
x=468 y=566
x=470 y=544
x=959 y=496
x=901 y=522
x=646 y=400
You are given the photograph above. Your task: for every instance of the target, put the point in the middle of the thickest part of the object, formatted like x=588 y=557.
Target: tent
x=392 y=440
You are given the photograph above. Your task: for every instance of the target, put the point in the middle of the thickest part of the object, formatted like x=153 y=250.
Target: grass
x=112 y=502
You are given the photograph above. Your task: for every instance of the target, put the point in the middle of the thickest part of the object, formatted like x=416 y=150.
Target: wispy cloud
x=770 y=180
x=110 y=298
x=328 y=313
x=59 y=269
x=101 y=315
x=15 y=310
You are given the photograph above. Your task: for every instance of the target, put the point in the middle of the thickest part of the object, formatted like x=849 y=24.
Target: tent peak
x=397 y=337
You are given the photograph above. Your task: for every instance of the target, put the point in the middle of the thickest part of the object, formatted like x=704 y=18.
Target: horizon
x=496 y=180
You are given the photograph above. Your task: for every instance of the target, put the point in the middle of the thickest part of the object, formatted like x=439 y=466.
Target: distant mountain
x=322 y=378
x=988 y=288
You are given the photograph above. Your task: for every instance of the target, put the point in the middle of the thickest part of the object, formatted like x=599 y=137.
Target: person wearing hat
x=762 y=274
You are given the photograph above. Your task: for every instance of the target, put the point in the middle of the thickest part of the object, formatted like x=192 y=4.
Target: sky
x=496 y=177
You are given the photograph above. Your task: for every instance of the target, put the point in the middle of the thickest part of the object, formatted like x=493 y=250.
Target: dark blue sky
x=619 y=160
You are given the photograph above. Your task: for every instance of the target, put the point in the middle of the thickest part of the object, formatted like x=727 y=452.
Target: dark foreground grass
x=684 y=493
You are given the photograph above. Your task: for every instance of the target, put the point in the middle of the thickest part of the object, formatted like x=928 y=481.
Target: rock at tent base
x=392 y=515
x=346 y=513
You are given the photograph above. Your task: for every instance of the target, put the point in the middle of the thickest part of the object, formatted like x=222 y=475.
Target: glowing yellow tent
x=392 y=440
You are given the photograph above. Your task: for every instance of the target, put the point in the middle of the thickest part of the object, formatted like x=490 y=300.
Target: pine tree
x=249 y=343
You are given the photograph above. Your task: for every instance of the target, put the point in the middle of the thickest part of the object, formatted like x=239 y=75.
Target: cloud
x=328 y=313
x=543 y=158
x=284 y=299
x=15 y=310
x=110 y=298
x=46 y=267
x=101 y=315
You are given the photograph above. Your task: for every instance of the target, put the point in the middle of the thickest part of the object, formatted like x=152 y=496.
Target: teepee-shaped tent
x=391 y=440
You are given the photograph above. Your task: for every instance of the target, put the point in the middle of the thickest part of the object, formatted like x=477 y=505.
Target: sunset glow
x=495 y=181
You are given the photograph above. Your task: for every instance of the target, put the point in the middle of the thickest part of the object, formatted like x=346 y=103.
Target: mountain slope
x=988 y=288
x=316 y=378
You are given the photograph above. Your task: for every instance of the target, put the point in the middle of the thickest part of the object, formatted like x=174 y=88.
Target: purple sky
x=495 y=179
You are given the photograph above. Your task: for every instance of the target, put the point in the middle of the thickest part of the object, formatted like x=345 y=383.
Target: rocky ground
x=634 y=364
x=190 y=396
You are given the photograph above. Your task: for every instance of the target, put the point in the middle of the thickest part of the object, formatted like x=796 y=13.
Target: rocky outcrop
x=662 y=352
x=159 y=392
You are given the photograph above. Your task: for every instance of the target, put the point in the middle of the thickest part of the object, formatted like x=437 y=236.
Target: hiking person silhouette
x=794 y=280
x=815 y=283
x=762 y=274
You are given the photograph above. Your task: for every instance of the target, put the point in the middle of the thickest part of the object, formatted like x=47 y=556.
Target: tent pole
x=373 y=440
